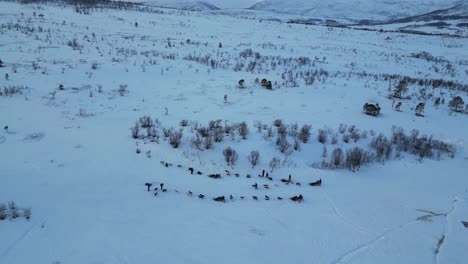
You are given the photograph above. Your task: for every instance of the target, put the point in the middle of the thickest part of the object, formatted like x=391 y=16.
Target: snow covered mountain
x=458 y=12
x=190 y=5
x=356 y=9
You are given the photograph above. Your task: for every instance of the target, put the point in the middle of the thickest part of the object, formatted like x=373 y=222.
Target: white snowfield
x=69 y=155
x=356 y=9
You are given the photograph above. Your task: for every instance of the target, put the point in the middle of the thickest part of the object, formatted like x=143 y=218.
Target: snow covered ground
x=70 y=157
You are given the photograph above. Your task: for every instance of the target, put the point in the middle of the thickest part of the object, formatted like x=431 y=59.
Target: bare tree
x=243 y=130
x=282 y=143
x=274 y=163
x=123 y=89
x=208 y=142
x=197 y=142
x=27 y=213
x=322 y=136
x=304 y=135
x=135 y=130
x=337 y=157
x=254 y=157
x=230 y=156
x=175 y=138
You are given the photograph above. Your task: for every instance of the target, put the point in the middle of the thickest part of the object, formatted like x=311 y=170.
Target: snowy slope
x=355 y=9
x=69 y=155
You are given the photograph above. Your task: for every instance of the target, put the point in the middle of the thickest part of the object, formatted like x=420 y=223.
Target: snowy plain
x=69 y=155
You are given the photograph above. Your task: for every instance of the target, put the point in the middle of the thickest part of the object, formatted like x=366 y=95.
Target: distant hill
x=190 y=5
x=357 y=10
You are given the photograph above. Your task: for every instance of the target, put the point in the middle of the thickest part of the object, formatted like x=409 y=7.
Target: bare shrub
x=342 y=128
x=278 y=122
x=135 y=131
x=297 y=144
x=293 y=130
x=304 y=134
x=122 y=89
x=382 y=146
x=27 y=213
x=184 y=123
x=197 y=142
x=208 y=142
x=254 y=157
x=356 y=157
x=145 y=122
x=152 y=134
x=334 y=139
x=218 y=134
x=283 y=144
x=322 y=136
x=324 y=152
x=282 y=130
x=355 y=135
x=230 y=156
x=274 y=163
x=337 y=158
x=175 y=138
x=346 y=138
x=203 y=131
x=3 y=211
x=14 y=212
x=215 y=124
x=243 y=130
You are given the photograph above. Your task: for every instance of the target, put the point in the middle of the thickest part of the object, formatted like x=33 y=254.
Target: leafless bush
x=145 y=122
x=166 y=132
x=254 y=157
x=297 y=144
x=355 y=135
x=324 y=151
x=278 y=122
x=214 y=124
x=203 y=131
x=74 y=44
x=382 y=146
x=334 y=139
x=346 y=138
x=274 y=163
x=282 y=130
x=230 y=156
x=184 y=123
x=175 y=138
x=208 y=142
x=243 y=130
x=356 y=157
x=293 y=130
x=3 y=212
x=270 y=132
x=282 y=143
x=304 y=135
x=123 y=89
x=11 y=90
x=218 y=134
x=27 y=213
x=197 y=142
x=322 y=136
x=135 y=131
x=152 y=134
x=337 y=158
x=342 y=128
x=14 y=212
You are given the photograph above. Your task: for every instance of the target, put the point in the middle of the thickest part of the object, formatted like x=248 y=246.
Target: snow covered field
x=68 y=154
